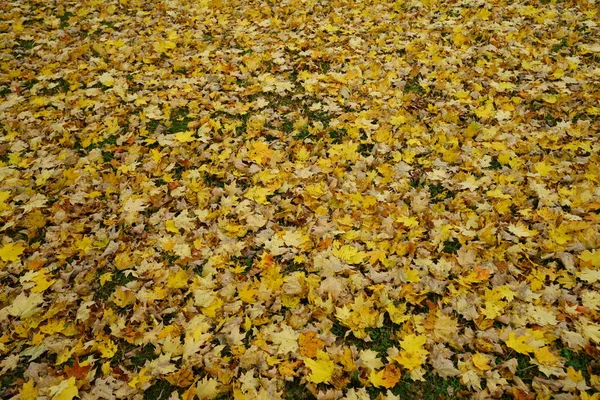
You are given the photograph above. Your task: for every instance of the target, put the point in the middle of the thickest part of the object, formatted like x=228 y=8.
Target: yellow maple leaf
x=309 y=344
x=258 y=194
x=246 y=293
x=550 y=98
x=184 y=137
x=316 y=190
x=53 y=326
x=65 y=390
x=369 y=358
x=4 y=194
x=575 y=375
x=485 y=111
x=462 y=94
x=519 y=344
x=481 y=361
x=387 y=377
x=559 y=235
x=413 y=352
x=293 y=238
x=107 y=347
x=170 y=226
x=398 y=119
x=141 y=378
x=84 y=245
x=521 y=230
x=459 y=39
x=177 y=280
x=122 y=297
x=28 y=391
x=409 y=359
x=123 y=261
x=588 y=275
x=543 y=169
x=41 y=281
x=106 y=79
x=211 y=310
x=484 y=14
x=591 y=331
x=24 y=306
x=208 y=388
x=163 y=46
x=397 y=314
x=409 y=222
x=182 y=378
x=106 y=277
x=321 y=368
x=11 y=251
x=592 y=257
x=259 y=152
x=350 y=254
x=545 y=357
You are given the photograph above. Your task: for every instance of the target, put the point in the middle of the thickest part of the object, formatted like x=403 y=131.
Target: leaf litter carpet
x=299 y=199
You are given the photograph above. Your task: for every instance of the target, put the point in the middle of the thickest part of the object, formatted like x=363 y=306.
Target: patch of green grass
x=160 y=390
x=432 y=388
x=108 y=24
x=198 y=269
x=152 y=125
x=414 y=86
x=26 y=44
x=64 y=19
x=340 y=331
x=495 y=164
x=107 y=156
x=10 y=378
x=525 y=369
x=179 y=121
x=171 y=259
x=58 y=86
x=213 y=180
x=293 y=267
x=439 y=193
x=246 y=262
x=146 y=353
x=383 y=334
x=296 y=391
x=416 y=182
x=143 y=353
x=337 y=135
x=287 y=126
x=322 y=116
x=559 y=46
x=108 y=141
x=383 y=338
x=303 y=134
x=365 y=149
x=451 y=246
x=27 y=85
x=119 y=278
x=244 y=123
x=578 y=361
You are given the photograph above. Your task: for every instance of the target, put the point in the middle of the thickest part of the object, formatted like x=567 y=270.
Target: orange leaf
x=78 y=371
x=309 y=344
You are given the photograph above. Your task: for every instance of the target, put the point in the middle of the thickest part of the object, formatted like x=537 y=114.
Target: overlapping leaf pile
x=299 y=198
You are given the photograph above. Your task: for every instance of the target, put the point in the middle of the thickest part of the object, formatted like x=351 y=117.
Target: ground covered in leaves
x=299 y=199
